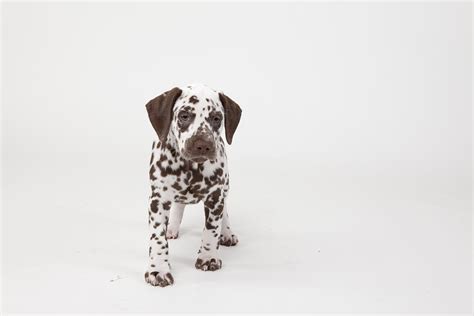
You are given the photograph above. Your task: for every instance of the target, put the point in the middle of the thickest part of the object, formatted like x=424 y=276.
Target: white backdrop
x=350 y=171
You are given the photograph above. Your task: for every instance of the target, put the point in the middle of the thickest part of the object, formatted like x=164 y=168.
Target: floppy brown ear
x=232 y=113
x=160 y=112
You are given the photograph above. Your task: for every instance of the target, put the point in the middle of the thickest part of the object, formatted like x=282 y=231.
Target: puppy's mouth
x=198 y=159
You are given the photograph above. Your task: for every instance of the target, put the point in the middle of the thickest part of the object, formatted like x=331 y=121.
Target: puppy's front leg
x=176 y=216
x=158 y=272
x=213 y=208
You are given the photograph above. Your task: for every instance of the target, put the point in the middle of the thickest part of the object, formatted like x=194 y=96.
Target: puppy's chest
x=196 y=184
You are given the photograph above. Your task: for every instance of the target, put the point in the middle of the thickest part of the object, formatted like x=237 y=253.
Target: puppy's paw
x=228 y=239
x=208 y=264
x=159 y=278
x=172 y=233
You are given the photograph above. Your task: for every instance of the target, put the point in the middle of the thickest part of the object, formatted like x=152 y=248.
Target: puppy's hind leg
x=176 y=216
x=227 y=237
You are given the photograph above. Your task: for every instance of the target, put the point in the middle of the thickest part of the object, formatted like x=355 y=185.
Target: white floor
x=350 y=170
x=316 y=238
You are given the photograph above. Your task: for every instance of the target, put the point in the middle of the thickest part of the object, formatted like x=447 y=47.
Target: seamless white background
x=350 y=171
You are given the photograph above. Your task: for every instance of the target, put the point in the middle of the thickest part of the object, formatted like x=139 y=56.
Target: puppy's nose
x=202 y=147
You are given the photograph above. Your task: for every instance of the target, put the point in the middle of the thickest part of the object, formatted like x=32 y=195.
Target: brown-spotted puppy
x=189 y=165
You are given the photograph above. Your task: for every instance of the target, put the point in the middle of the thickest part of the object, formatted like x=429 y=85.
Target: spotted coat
x=177 y=180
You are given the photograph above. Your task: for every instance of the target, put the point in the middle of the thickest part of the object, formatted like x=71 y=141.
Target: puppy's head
x=195 y=116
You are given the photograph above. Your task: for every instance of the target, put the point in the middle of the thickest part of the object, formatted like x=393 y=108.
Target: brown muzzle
x=200 y=147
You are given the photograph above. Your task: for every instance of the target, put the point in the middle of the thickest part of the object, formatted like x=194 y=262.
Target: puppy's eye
x=215 y=120
x=184 y=117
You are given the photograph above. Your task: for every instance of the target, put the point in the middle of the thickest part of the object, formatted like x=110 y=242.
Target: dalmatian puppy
x=189 y=165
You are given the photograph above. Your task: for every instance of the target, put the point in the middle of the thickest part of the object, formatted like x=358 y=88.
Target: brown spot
x=152 y=173
x=154 y=206
x=176 y=186
x=151 y=159
x=198 y=263
x=193 y=99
